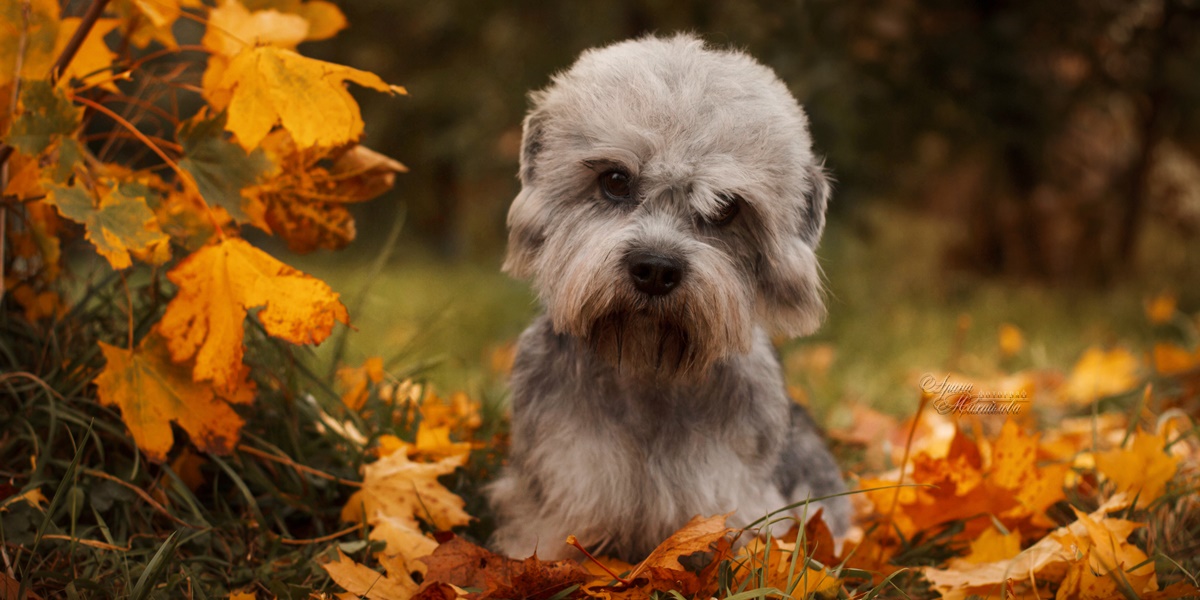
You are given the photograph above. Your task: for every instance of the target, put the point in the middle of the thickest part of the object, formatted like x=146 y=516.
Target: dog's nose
x=654 y=274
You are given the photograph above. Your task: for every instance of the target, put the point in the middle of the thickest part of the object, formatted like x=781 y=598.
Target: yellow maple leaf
x=152 y=391
x=28 y=40
x=1161 y=308
x=434 y=442
x=93 y=63
x=992 y=545
x=232 y=28
x=365 y=582
x=219 y=284
x=1143 y=469
x=396 y=492
x=1101 y=373
x=1172 y=359
x=1011 y=340
x=356 y=380
x=307 y=97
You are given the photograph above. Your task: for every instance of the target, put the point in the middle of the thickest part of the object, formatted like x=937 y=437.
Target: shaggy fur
x=634 y=411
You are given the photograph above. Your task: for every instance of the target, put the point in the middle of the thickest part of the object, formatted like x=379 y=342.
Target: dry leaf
x=466 y=565
x=219 y=284
x=1101 y=373
x=365 y=582
x=396 y=492
x=1161 y=308
x=307 y=97
x=152 y=391
x=1142 y=470
x=1011 y=340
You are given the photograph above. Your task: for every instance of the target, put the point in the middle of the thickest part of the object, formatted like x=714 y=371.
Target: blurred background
x=1031 y=164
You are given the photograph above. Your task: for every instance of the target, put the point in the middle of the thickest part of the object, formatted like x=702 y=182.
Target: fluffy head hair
x=697 y=133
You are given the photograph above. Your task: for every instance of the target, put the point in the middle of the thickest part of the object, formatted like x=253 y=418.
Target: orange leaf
x=1101 y=373
x=356 y=380
x=1171 y=359
x=1143 y=469
x=152 y=391
x=219 y=284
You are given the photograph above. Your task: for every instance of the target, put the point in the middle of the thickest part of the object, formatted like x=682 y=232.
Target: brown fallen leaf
x=463 y=564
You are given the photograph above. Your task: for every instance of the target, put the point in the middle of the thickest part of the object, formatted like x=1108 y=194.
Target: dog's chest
x=641 y=480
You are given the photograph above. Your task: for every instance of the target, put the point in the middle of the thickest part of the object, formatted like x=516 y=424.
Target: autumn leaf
x=1161 y=308
x=1142 y=470
x=1100 y=373
x=219 y=284
x=1011 y=340
x=233 y=28
x=396 y=492
x=304 y=199
x=356 y=380
x=466 y=565
x=993 y=545
x=1172 y=359
x=46 y=116
x=39 y=35
x=307 y=97
x=93 y=62
x=365 y=582
x=434 y=442
x=221 y=168
x=152 y=391
x=120 y=224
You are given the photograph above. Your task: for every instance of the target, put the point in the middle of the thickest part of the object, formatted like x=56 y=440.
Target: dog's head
x=670 y=200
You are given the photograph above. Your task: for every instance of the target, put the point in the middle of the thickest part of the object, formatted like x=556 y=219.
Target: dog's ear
x=526 y=228
x=812 y=221
x=791 y=298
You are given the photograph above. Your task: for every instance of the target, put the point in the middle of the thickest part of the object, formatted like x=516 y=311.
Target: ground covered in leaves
x=168 y=431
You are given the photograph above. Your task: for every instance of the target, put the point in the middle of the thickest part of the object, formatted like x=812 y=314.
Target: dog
x=669 y=210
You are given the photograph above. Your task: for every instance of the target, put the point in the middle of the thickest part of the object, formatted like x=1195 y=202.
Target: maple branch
x=72 y=48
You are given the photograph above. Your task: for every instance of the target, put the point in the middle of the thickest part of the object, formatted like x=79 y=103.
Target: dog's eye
x=730 y=207
x=616 y=185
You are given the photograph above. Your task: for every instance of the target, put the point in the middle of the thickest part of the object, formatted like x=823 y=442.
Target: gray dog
x=669 y=209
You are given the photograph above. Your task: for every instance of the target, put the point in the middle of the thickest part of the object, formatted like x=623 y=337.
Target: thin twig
x=85 y=27
x=318 y=540
x=183 y=175
x=141 y=494
x=85 y=542
x=283 y=460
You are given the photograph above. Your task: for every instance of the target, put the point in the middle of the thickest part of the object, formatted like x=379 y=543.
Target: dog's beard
x=643 y=343
x=709 y=317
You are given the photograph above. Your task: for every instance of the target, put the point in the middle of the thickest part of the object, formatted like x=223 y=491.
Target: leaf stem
x=72 y=48
x=572 y=540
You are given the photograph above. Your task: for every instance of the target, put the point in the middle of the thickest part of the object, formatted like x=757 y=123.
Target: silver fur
x=634 y=412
